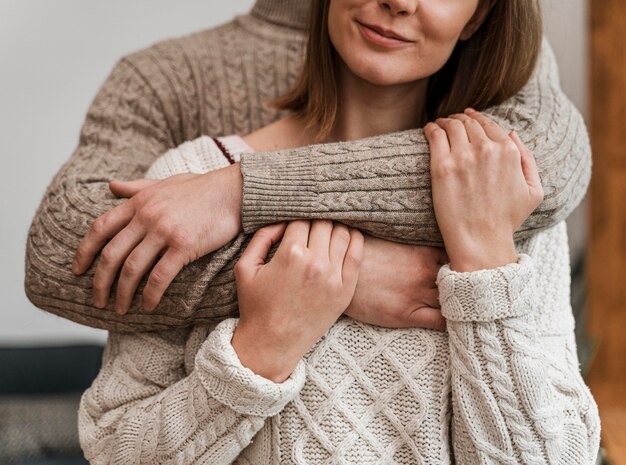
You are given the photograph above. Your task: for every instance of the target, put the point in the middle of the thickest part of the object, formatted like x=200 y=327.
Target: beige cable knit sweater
x=217 y=82
x=501 y=387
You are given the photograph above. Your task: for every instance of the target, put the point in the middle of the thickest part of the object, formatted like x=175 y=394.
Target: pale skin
x=382 y=89
x=485 y=184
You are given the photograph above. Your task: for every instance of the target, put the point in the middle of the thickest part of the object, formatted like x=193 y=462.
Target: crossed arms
x=380 y=185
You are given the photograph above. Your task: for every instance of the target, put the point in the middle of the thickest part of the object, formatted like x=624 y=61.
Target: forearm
x=531 y=410
x=118 y=140
x=143 y=409
x=124 y=132
x=382 y=184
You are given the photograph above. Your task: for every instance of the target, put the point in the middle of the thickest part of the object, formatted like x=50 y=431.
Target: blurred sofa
x=40 y=389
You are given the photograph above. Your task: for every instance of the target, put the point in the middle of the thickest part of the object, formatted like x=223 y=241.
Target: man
x=217 y=82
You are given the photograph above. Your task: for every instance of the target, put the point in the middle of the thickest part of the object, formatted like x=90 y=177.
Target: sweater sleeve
x=511 y=402
x=127 y=127
x=382 y=184
x=142 y=409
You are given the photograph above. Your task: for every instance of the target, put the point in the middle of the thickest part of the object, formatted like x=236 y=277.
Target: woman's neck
x=366 y=109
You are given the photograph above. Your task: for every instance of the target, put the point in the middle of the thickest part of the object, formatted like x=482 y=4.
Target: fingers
x=137 y=264
x=259 y=246
x=352 y=260
x=474 y=129
x=491 y=128
x=111 y=259
x=455 y=130
x=102 y=229
x=529 y=167
x=127 y=189
x=161 y=277
x=437 y=139
x=296 y=233
x=320 y=237
x=338 y=244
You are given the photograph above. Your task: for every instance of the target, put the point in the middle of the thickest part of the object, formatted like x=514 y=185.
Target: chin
x=380 y=71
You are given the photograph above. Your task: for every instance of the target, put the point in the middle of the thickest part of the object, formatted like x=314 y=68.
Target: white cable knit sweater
x=502 y=386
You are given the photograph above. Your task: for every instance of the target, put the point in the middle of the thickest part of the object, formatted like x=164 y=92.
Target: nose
x=399 y=7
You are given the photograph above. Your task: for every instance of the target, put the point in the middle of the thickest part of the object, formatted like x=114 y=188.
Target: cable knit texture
x=501 y=387
x=217 y=82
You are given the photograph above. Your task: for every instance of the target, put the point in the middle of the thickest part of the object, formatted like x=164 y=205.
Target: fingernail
x=119 y=309
x=97 y=302
x=75 y=266
x=470 y=110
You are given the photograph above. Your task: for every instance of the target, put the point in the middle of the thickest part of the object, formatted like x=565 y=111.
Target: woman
x=370 y=394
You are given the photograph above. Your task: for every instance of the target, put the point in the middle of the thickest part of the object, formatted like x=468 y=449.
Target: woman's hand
x=287 y=304
x=485 y=183
x=169 y=217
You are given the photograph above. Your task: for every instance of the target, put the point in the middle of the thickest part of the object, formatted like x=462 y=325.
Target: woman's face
x=399 y=41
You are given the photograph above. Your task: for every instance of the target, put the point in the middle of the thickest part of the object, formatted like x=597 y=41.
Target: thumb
x=253 y=257
x=427 y=318
x=126 y=189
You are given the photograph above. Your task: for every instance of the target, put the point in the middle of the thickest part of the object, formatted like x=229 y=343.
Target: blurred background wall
x=55 y=55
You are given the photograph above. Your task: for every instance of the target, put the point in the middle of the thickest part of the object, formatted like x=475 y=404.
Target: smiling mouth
x=381 y=36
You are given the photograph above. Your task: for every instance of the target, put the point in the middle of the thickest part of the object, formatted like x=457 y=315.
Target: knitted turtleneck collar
x=290 y=13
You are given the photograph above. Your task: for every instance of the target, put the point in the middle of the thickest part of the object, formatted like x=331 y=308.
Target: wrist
x=231 y=182
x=474 y=255
x=261 y=355
x=235 y=185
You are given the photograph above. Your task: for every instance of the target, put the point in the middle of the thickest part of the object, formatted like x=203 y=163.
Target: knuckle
x=355 y=258
x=484 y=147
x=315 y=269
x=239 y=269
x=131 y=267
x=509 y=147
x=99 y=284
x=444 y=168
x=341 y=232
x=107 y=256
x=179 y=239
x=99 y=226
x=148 y=213
x=156 y=280
x=141 y=197
x=294 y=253
x=488 y=122
x=456 y=123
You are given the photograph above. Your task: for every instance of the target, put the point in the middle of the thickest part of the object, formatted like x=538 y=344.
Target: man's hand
x=171 y=218
x=396 y=287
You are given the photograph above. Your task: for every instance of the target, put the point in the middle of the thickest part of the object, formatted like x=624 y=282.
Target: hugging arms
x=135 y=118
x=179 y=393
x=185 y=396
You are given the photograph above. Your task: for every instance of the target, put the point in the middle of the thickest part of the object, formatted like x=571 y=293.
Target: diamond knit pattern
x=497 y=388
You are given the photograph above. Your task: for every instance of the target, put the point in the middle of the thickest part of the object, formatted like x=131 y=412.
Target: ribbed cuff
x=276 y=188
x=238 y=387
x=487 y=295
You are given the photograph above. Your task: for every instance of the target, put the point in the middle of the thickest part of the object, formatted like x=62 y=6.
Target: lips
x=387 y=33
